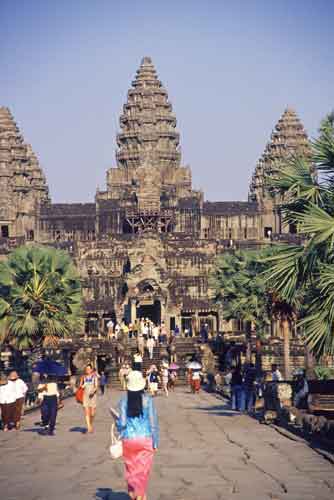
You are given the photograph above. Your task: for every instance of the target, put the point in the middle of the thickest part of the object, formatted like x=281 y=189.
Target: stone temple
x=146 y=245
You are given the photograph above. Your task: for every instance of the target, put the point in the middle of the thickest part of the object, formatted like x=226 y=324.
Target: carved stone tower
x=148 y=181
x=23 y=186
x=287 y=139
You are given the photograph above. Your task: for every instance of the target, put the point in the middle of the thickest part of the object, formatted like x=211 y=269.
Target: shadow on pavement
x=223 y=410
x=108 y=494
x=33 y=429
x=83 y=430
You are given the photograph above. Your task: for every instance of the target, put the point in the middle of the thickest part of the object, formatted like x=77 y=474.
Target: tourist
x=146 y=330
x=237 y=389
x=176 y=331
x=150 y=346
x=172 y=380
x=20 y=389
x=156 y=333
x=301 y=390
x=276 y=374
x=189 y=378
x=7 y=404
x=50 y=399
x=165 y=377
x=89 y=382
x=249 y=387
x=204 y=334
x=103 y=383
x=141 y=345
x=164 y=334
x=172 y=350
x=138 y=427
x=123 y=374
x=41 y=391
x=110 y=327
x=153 y=380
x=230 y=356
x=270 y=396
x=196 y=381
x=138 y=361
x=117 y=330
x=219 y=382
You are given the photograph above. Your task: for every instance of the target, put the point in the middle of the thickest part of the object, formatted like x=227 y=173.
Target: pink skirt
x=138 y=458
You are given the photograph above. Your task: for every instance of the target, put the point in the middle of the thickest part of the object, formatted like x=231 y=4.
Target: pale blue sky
x=230 y=67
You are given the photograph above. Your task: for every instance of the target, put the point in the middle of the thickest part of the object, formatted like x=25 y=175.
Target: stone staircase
x=185 y=349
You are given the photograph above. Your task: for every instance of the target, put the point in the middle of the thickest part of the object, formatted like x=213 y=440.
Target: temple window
x=4 y=231
x=268 y=231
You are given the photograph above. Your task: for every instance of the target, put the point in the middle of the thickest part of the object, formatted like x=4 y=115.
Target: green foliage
x=240 y=288
x=323 y=372
x=40 y=297
x=304 y=275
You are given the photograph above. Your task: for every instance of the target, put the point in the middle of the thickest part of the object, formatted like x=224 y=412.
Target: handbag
x=116 y=447
x=79 y=395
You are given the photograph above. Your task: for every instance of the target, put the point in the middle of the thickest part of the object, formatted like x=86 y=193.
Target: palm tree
x=285 y=314
x=40 y=297
x=307 y=187
x=240 y=289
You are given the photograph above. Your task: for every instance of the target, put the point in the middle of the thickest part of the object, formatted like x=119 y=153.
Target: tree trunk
x=309 y=364
x=258 y=357
x=248 y=342
x=286 y=341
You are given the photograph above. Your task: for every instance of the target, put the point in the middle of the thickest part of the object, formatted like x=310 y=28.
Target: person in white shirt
x=156 y=332
x=50 y=395
x=110 y=326
x=19 y=388
x=137 y=361
x=150 y=346
x=7 y=404
x=276 y=374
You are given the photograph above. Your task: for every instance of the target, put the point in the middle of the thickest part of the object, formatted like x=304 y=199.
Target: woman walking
x=165 y=377
x=89 y=382
x=138 y=428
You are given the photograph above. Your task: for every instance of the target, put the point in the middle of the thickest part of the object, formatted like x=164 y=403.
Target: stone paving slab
x=207 y=452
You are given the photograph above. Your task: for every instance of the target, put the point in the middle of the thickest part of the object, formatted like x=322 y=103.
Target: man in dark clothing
x=103 y=382
x=249 y=387
x=204 y=334
x=238 y=402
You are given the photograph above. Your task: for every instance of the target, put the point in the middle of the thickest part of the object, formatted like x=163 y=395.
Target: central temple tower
x=149 y=186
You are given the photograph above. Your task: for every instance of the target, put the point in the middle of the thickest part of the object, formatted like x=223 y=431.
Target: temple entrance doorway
x=151 y=311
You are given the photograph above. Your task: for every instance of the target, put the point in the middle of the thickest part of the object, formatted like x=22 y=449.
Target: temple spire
x=287 y=139
x=22 y=182
x=148 y=125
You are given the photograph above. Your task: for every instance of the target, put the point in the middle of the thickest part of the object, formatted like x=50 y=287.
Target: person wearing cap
x=138 y=428
x=19 y=389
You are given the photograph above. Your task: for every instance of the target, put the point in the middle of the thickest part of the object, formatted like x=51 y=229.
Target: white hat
x=136 y=381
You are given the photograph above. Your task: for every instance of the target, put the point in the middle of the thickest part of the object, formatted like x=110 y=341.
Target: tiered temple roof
x=287 y=139
x=22 y=181
x=147 y=123
x=148 y=177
